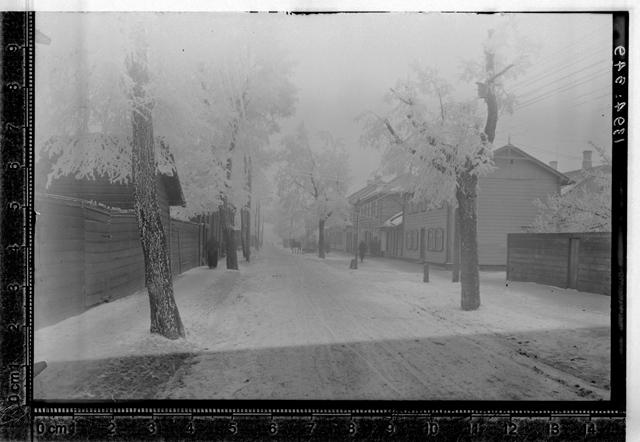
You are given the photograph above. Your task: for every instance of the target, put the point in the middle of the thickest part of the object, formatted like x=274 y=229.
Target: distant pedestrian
x=212 y=252
x=362 y=248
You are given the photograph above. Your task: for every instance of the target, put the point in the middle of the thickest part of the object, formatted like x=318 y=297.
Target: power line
x=569 y=85
x=540 y=63
x=551 y=70
x=553 y=92
x=537 y=90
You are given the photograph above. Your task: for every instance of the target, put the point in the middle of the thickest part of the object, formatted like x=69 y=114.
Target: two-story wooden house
x=505 y=205
x=373 y=206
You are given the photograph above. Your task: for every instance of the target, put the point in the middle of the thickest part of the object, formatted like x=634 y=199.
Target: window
x=406 y=240
x=435 y=240
x=439 y=239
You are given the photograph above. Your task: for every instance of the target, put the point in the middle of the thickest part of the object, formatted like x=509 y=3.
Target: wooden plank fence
x=581 y=261
x=87 y=254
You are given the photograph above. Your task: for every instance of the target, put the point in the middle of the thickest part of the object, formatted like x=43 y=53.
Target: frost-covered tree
x=244 y=88
x=444 y=145
x=289 y=216
x=583 y=206
x=314 y=175
x=100 y=117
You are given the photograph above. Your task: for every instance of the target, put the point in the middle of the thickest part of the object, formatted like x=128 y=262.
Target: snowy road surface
x=297 y=327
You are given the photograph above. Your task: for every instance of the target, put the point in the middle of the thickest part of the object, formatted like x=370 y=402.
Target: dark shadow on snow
x=411 y=369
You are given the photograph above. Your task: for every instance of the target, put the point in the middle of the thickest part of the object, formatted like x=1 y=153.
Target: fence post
x=179 y=249
x=425 y=272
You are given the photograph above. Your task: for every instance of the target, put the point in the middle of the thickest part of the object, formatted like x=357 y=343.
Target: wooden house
x=374 y=205
x=587 y=176
x=113 y=195
x=505 y=205
x=88 y=248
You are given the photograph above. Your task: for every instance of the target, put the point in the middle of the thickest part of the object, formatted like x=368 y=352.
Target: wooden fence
x=87 y=254
x=581 y=261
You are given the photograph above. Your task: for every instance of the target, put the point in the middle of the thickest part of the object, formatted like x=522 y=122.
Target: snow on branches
x=582 y=206
x=429 y=137
x=313 y=176
x=199 y=105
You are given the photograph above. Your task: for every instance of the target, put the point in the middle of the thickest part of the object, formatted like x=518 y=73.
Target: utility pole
x=355 y=243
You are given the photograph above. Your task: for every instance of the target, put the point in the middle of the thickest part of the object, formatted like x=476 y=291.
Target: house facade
x=505 y=205
x=372 y=207
x=114 y=195
x=413 y=230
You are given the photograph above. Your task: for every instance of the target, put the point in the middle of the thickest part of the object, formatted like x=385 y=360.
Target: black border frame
x=18 y=417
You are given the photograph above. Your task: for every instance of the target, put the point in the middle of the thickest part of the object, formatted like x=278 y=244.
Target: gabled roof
x=399 y=184
x=510 y=147
x=368 y=191
x=166 y=172
x=581 y=174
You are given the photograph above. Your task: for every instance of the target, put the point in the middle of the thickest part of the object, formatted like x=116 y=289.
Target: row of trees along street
x=110 y=102
x=312 y=183
x=216 y=102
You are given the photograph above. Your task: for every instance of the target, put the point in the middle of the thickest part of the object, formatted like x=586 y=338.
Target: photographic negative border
x=23 y=418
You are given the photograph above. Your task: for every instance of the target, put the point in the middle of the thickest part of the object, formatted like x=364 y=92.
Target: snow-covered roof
x=399 y=184
x=580 y=174
x=510 y=147
x=368 y=191
x=100 y=183
x=393 y=221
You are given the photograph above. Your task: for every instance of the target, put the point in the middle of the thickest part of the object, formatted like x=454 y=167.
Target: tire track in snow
x=506 y=356
x=333 y=334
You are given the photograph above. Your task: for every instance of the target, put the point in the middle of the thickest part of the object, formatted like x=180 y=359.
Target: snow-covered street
x=291 y=326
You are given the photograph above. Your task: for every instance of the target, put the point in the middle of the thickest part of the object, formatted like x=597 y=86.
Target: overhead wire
x=540 y=63
x=551 y=70
x=556 y=91
x=556 y=80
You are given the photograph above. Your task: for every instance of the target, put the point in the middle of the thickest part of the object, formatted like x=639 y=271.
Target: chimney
x=554 y=164
x=586 y=159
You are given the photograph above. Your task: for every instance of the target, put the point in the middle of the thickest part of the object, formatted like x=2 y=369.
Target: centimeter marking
x=124 y=411
x=87 y=425
x=18 y=33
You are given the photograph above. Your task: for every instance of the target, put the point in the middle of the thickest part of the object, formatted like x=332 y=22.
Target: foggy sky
x=345 y=63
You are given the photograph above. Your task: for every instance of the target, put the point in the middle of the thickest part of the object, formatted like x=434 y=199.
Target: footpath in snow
x=297 y=327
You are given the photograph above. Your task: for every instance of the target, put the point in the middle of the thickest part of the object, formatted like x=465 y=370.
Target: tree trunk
x=248 y=233
x=219 y=229
x=469 y=275
x=321 y=238
x=257 y=224
x=228 y=214
x=455 y=269
x=243 y=236
x=165 y=318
